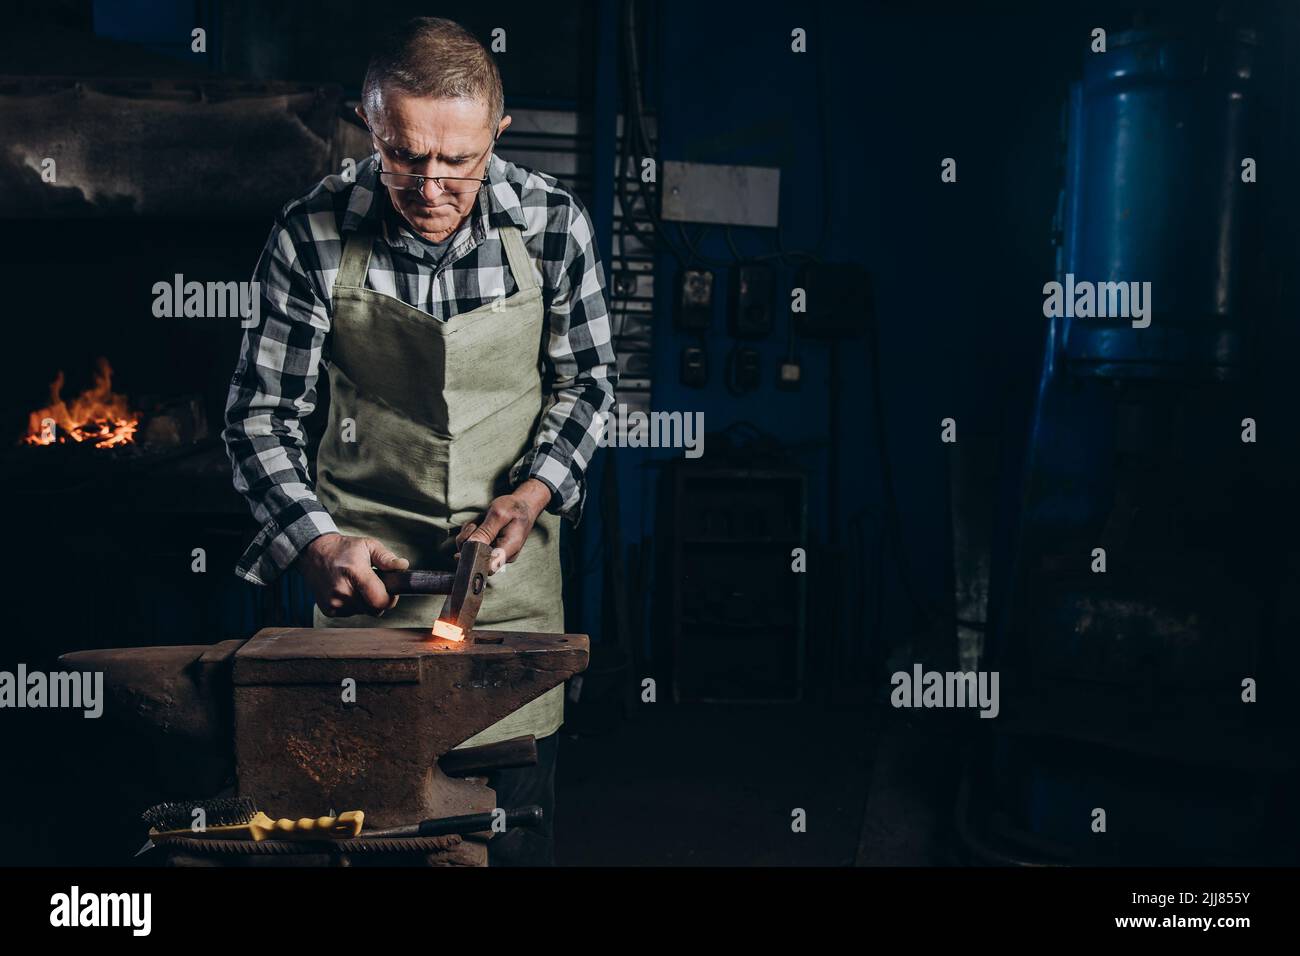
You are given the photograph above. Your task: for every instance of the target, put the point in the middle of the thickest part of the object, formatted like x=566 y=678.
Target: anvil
x=338 y=718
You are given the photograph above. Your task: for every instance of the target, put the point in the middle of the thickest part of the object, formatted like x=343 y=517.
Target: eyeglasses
x=457 y=185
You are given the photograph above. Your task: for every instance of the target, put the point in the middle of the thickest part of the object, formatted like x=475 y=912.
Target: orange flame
x=97 y=415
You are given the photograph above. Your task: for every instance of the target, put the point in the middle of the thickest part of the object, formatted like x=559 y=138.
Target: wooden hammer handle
x=417 y=582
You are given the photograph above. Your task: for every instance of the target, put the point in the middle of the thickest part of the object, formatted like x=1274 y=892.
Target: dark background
x=858 y=128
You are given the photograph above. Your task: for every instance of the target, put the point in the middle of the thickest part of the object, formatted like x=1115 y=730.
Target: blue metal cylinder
x=1159 y=128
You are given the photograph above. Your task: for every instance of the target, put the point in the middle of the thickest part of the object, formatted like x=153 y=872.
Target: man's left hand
x=507 y=523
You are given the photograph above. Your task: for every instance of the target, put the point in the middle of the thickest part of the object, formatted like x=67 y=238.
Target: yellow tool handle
x=232 y=831
x=343 y=827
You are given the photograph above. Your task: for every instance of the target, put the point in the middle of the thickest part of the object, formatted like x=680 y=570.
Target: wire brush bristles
x=218 y=812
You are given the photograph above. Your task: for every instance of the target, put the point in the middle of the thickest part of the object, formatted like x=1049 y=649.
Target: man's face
x=432 y=137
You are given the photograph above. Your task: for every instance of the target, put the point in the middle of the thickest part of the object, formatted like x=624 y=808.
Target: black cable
x=636 y=141
x=634 y=133
x=627 y=207
x=820 y=99
x=632 y=59
x=731 y=244
x=693 y=253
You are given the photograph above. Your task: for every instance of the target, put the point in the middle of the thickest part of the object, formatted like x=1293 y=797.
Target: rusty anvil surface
x=300 y=750
x=297 y=744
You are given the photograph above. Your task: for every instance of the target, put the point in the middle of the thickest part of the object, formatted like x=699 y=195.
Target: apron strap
x=355 y=262
x=521 y=267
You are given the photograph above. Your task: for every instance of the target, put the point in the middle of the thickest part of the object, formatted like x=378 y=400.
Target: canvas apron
x=439 y=412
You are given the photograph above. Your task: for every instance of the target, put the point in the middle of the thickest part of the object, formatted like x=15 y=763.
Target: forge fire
x=97 y=416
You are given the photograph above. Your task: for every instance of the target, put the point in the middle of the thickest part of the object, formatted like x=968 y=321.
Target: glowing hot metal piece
x=448 y=631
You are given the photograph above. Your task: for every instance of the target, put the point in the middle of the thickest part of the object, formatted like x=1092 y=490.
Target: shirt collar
x=500 y=198
x=498 y=202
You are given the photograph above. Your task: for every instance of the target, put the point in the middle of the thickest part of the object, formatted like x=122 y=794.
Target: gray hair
x=430 y=56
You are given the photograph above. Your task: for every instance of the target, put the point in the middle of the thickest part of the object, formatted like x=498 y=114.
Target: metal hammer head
x=461 y=607
x=464 y=588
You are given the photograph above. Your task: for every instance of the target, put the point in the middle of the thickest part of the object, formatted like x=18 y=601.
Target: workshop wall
x=956 y=268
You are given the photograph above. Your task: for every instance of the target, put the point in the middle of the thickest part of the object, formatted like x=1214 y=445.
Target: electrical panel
x=743 y=373
x=753 y=287
x=694 y=300
x=695 y=367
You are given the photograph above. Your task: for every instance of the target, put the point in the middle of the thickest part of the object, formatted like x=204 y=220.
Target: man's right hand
x=340 y=571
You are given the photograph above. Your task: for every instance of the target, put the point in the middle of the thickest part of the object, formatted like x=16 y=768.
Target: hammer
x=463 y=587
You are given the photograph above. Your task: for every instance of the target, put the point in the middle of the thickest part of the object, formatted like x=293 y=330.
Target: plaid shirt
x=274 y=385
